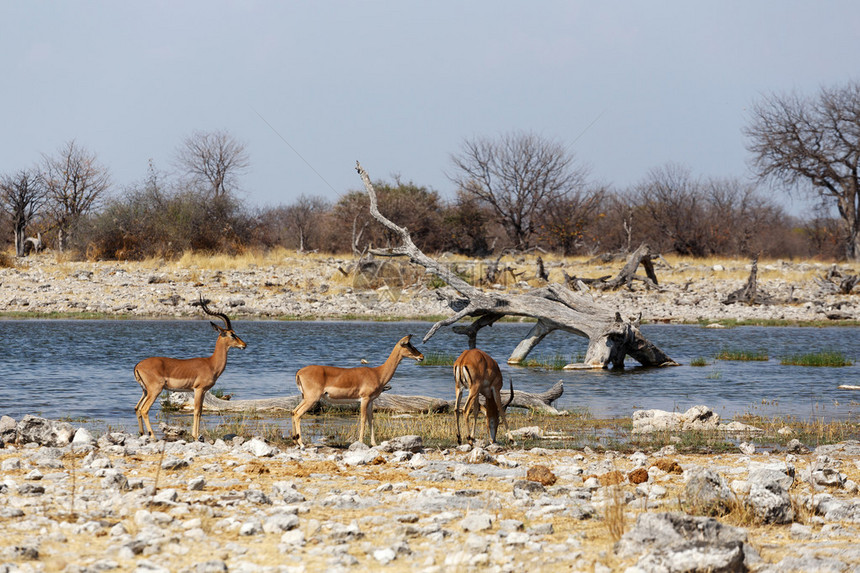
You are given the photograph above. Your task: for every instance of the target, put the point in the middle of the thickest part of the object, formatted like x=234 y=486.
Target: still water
x=84 y=369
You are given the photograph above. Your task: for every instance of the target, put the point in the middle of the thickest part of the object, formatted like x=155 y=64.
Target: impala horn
x=220 y=315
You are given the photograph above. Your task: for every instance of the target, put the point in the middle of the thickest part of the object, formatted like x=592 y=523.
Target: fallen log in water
x=541 y=402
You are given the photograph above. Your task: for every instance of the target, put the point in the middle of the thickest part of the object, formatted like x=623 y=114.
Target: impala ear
x=215 y=326
x=405 y=340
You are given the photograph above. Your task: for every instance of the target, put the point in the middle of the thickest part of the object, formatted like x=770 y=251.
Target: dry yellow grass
x=671 y=269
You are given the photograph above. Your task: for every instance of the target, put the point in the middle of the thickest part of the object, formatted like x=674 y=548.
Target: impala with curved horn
x=477 y=371
x=364 y=383
x=184 y=375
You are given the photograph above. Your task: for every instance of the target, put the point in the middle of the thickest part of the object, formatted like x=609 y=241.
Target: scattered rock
x=541 y=474
x=412 y=444
x=668 y=466
x=637 y=476
x=769 y=501
x=707 y=491
x=43 y=432
x=259 y=448
x=477 y=522
x=680 y=542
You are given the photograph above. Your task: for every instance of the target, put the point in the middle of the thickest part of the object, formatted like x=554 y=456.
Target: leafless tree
x=813 y=144
x=672 y=200
x=214 y=160
x=75 y=183
x=565 y=224
x=518 y=175
x=304 y=216
x=21 y=196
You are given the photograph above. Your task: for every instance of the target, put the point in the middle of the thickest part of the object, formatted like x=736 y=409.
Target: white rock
x=477 y=522
x=385 y=556
x=259 y=448
x=293 y=537
x=83 y=437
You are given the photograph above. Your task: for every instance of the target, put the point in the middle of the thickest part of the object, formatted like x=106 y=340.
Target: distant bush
x=145 y=224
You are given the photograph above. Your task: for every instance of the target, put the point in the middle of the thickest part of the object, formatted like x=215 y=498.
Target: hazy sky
x=627 y=85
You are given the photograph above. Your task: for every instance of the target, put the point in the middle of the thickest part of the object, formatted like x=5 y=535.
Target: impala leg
x=476 y=408
x=139 y=402
x=370 y=422
x=137 y=412
x=458 y=391
x=472 y=405
x=144 y=410
x=198 y=409
x=492 y=416
x=303 y=407
x=362 y=419
x=498 y=394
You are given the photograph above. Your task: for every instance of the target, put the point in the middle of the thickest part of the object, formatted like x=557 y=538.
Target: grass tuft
x=613 y=513
x=826 y=358
x=438 y=359
x=699 y=361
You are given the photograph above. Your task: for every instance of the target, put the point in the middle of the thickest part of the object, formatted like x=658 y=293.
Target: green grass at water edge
x=438 y=359
x=825 y=358
x=553 y=362
x=576 y=430
x=699 y=361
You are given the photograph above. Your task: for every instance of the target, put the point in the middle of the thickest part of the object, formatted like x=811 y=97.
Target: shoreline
x=295 y=287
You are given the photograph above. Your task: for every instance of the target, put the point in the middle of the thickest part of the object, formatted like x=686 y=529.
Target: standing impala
x=477 y=371
x=364 y=383
x=184 y=375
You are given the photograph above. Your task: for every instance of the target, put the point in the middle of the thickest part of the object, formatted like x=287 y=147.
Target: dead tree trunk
x=642 y=255
x=750 y=292
x=384 y=403
x=835 y=281
x=555 y=307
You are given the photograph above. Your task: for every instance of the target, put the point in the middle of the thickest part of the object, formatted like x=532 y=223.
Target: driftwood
x=749 y=293
x=555 y=307
x=641 y=256
x=837 y=282
x=385 y=402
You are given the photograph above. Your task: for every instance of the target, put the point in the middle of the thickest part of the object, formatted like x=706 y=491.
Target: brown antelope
x=184 y=375
x=364 y=383
x=477 y=371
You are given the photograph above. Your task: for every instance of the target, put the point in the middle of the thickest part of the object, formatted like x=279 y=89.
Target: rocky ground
x=310 y=287
x=72 y=502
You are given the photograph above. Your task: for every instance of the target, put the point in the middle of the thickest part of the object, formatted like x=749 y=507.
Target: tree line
x=519 y=191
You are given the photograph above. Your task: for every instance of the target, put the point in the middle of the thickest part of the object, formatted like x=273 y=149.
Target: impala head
x=409 y=351
x=226 y=333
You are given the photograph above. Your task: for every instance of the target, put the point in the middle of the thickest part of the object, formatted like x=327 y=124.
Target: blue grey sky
x=627 y=85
